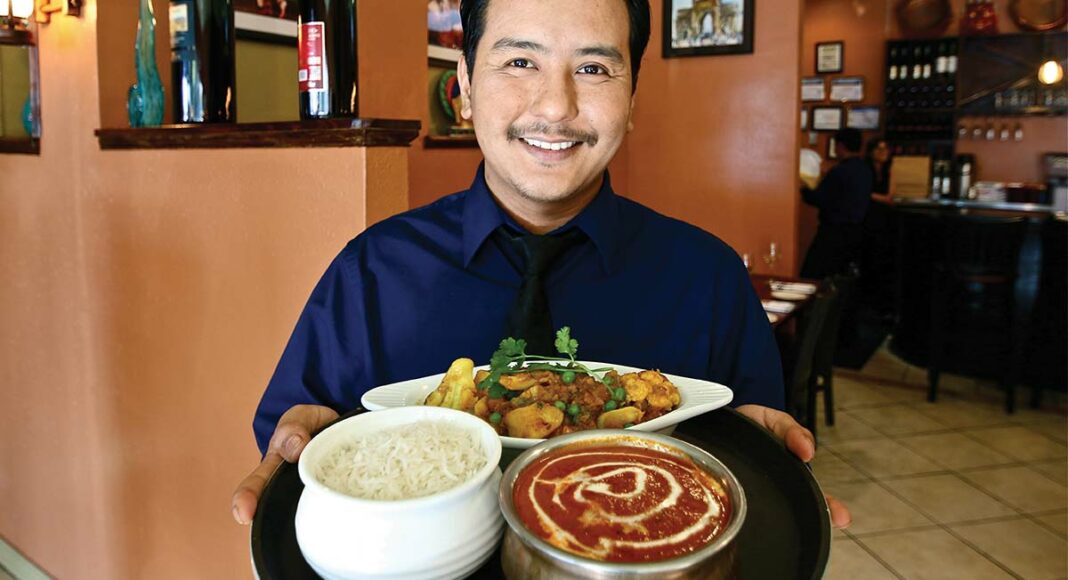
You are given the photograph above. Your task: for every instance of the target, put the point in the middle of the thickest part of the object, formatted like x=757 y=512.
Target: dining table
x=783 y=297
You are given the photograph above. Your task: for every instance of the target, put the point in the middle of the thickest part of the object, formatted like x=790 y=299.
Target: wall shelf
x=323 y=133
x=445 y=142
x=26 y=145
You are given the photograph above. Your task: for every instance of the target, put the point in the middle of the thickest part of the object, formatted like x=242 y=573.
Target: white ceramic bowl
x=437 y=536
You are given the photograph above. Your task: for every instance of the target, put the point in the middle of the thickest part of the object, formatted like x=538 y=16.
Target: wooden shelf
x=324 y=133
x=24 y=145
x=447 y=142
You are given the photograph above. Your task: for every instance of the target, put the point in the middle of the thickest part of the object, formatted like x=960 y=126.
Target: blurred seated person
x=842 y=197
x=878 y=264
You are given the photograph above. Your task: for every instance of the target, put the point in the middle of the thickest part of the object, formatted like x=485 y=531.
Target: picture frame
x=826 y=118
x=865 y=118
x=695 y=28
x=813 y=89
x=272 y=22
x=832 y=148
x=847 y=89
x=830 y=57
x=445 y=37
x=804 y=118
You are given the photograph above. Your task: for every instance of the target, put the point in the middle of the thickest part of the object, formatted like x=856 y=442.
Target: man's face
x=550 y=96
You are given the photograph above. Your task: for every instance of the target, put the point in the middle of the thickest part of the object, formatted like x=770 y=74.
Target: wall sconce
x=15 y=22
x=45 y=8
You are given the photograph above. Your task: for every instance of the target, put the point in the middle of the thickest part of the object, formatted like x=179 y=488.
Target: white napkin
x=798 y=287
x=778 y=306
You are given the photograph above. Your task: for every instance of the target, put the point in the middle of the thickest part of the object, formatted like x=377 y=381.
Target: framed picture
x=832 y=148
x=445 y=35
x=847 y=89
x=813 y=89
x=273 y=21
x=863 y=118
x=829 y=57
x=826 y=118
x=804 y=118
x=701 y=27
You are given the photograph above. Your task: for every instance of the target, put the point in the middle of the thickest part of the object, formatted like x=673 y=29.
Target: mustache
x=587 y=137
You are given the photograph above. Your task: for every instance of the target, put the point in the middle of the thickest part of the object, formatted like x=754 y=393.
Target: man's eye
x=520 y=63
x=591 y=69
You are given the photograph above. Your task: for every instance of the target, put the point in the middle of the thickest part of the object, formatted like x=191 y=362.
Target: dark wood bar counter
x=1003 y=317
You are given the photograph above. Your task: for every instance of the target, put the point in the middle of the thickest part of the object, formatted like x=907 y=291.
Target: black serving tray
x=787 y=532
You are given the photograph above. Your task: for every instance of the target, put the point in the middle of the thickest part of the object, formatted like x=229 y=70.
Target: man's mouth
x=547 y=146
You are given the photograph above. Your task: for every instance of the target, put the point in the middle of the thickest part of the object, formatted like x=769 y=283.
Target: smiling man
x=539 y=241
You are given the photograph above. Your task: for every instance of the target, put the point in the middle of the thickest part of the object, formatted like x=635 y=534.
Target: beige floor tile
x=874 y=509
x=846 y=428
x=829 y=468
x=893 y=372
x=947 y=383
x=849 y=561
x=1021 y=487
x=955 y=451
x=933 y=555
x=1054 y=429
x=1056 y=522
x=884 y=458
x=850 y=393
x=898 y=420
x=947 y=499
x=954 y=412
x=1020 y=443
x=1021 y=545
x=1057 y=470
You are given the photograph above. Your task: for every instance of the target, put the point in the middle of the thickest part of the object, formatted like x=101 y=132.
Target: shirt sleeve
x=747 y=357
x=324 y=360
x=825 y=191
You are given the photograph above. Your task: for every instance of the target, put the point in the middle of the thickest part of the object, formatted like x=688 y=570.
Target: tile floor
x=953 y=489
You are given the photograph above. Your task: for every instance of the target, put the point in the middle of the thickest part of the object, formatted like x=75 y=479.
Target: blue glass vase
x=145 y=100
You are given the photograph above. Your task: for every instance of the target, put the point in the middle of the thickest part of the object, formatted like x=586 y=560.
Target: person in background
x=539 y=241
x=878 y=263
x=842 y=197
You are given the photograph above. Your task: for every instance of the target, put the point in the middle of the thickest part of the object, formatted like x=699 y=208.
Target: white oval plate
x=696 y=396
x=786 y=295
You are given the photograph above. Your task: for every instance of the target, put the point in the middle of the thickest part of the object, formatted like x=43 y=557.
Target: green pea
x=608 y=381
x=610 y=406
x=497 y=391
x=628 y=425
x=495 y=417
x=568 y=377
x=619 y=394
x=574 y=410
x=560 y=405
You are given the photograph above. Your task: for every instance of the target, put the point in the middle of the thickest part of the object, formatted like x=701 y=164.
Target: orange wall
x=149 y=295
x=715 y=138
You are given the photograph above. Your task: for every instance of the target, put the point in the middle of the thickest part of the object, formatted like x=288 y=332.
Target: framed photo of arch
x=707 y=27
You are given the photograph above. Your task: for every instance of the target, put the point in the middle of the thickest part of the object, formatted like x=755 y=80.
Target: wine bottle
x=327 y=59
x=202 y=61
x=892 y=68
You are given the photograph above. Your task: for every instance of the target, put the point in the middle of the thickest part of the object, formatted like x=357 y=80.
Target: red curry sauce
x=620 y=503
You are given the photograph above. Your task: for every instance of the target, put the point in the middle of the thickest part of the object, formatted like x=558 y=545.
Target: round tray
x=787 y=532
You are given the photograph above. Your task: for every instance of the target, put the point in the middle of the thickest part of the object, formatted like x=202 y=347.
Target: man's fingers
x=295 y=429
x=247 y=494
x=840 y=516
x=797 y=439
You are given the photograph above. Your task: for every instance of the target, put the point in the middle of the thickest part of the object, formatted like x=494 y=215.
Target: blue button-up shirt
x=416 y=291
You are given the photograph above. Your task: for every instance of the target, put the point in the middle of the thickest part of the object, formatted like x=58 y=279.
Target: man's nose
x=556 y=99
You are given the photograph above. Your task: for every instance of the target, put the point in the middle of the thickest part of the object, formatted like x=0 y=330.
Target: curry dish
x=544 y=403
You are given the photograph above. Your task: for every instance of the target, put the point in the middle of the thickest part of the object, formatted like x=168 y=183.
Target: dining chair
x=822 y=376
x=979 y=314
x=798 y=362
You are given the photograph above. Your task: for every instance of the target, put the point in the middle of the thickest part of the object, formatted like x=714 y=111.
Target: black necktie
x=529 y=318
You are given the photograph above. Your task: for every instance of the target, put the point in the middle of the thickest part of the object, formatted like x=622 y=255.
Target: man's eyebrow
x=516 y=43
x=602 y=50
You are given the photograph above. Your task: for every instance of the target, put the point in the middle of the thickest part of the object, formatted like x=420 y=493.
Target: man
x=549 y=86
x=842 y=198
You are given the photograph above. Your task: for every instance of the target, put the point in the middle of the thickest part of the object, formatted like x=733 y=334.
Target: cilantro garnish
x=511 y=357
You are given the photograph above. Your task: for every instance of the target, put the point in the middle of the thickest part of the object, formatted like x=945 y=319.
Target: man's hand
x=290 y=436
x=801 y=443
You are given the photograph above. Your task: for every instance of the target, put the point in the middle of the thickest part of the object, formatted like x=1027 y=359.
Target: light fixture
x=1051 y=72
x=46 y=8
x=15 y=22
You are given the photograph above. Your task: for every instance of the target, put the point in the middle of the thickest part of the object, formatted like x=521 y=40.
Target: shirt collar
x=599 y=220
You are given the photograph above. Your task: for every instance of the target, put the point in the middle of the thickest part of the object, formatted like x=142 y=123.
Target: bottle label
x=927 y=71
x=941 y=64
x=182 y=34
x=951 y=64
x=311 y=69
x=893 y=72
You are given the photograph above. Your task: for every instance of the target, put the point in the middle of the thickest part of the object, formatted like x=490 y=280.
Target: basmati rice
x=405 y=462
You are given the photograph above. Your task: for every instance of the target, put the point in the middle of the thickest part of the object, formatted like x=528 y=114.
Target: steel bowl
x=525 y=555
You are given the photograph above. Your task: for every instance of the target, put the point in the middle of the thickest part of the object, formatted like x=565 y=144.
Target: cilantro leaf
x=565 y=344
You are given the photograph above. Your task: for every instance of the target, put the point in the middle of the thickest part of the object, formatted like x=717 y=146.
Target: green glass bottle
x=145 y=99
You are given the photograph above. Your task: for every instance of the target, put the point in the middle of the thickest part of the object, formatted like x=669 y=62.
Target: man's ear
x=630 y=113
x=465 y=88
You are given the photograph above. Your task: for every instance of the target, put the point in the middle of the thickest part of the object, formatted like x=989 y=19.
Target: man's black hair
x=473 y=16
x=849 y=138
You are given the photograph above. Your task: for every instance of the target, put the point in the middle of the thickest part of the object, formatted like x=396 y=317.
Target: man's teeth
x=551 y=146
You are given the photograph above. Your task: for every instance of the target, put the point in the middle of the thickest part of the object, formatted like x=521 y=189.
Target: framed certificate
x=863 y=118
x=813 y=89
x=829 y=57
x=804 y=118
x=826 y=118
x=832 y=148
x=847 y=89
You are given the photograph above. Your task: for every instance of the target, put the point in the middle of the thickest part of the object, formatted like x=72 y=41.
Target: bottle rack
x=921 y=95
